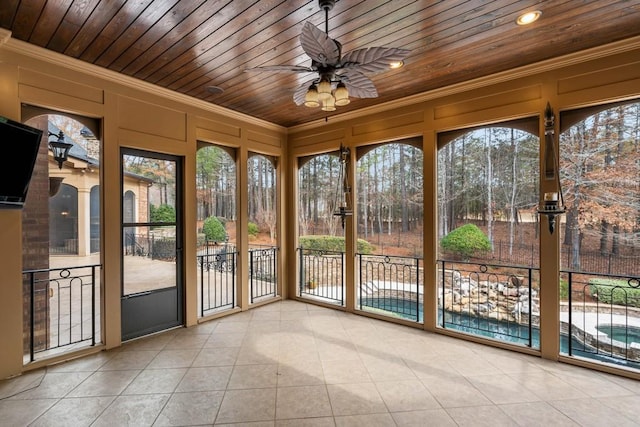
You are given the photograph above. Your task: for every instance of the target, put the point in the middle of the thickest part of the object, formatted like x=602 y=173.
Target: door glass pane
x=149 y=224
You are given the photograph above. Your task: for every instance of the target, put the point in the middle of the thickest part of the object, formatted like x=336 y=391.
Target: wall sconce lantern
x=343 y=189
x=553 y=202
x=59 y=148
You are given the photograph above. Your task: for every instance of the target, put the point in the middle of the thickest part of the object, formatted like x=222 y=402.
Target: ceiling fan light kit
x=338 y=77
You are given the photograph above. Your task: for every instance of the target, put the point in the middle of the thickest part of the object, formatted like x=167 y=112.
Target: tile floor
x=295 y=364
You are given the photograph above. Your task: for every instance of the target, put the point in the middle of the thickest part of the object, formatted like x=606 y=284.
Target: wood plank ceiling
x=190 y=45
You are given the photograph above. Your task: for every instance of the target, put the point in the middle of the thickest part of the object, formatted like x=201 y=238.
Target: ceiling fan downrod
x=326 y=5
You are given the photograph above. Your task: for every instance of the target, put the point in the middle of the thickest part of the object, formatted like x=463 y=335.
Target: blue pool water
x=499 y=330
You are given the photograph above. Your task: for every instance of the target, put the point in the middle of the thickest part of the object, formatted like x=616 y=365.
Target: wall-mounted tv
x=19 y=146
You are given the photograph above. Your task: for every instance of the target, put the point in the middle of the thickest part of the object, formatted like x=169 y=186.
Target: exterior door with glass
x=152 y=262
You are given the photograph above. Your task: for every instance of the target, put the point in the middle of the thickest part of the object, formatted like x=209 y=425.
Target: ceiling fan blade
x=318 y=46
x=283 y=69
x=359 y=85
x=301 y=92
x=373 y=59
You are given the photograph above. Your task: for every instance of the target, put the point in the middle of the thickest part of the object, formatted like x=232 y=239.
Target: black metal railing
x=321 y=275
x=217 y=271
x=490 y=300
x=391 y=285
x=150 y=246
x=601 y=315
x=63 y=310
x=263 y=272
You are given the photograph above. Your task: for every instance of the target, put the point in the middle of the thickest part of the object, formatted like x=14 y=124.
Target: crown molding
x=582 y=56
x=42 y=54
x=4 y=36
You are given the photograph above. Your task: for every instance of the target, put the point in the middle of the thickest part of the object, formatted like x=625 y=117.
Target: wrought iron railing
x=263 y=272
x=601 y=314
x=490 y=300
x=217 y=271
x=391 y=285
x=63 y=310
x=321 y=275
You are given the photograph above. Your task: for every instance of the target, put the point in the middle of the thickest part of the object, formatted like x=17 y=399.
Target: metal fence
x=391 y=285
x=217 y=271
x=63 y=310
x=600 y=317
x=321 y=275
x=263 y=272
x=625 y=263
x=492 y=301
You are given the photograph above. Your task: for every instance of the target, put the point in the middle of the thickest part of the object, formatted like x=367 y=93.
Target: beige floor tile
x=53 y=385
x=129 y=360
x=369 y=420
x=218 y=339
x=548 y=386
x=347 y=371
x=534 y=414
x=307 y=422
x=187 y=341
x=239 y=406
x=300 y=372
x=173 y=359
x=302 y=402
x=454 y=391
x=194 y=408
x=224 y=356
x=104 y=383
x=386 y=367
x=156 y=381
x=253 y=376
x=501 y=389
x=591 y=412
x=408 y=395
x=207 y=378
x=18 y=413
x=77 y=412
x=356 y=399
x=481 y=416
x=625 y=405
x=139 y=410
x=427 y=418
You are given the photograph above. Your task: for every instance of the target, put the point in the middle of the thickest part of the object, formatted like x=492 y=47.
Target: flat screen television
x=19 y=146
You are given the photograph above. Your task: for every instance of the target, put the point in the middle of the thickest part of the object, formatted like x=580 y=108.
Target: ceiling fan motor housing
x=326 y=4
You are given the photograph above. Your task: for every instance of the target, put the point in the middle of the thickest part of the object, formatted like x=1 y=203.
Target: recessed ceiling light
x=528 y=17
x=396 y=64
x=214 y=90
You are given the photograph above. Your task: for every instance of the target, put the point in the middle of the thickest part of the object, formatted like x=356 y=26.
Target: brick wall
x=35 y=241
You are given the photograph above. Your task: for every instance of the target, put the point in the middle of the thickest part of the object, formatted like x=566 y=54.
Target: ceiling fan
x=337 y=77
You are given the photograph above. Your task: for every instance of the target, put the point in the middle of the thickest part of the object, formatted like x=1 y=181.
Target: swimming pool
x=503 y=331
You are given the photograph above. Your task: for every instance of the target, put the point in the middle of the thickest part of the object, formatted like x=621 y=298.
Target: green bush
x=214 y=230
x=611 y=291
x=465 y=241
x=162 y=213
x=564 y=289
x=333 y=243
x=252 y=229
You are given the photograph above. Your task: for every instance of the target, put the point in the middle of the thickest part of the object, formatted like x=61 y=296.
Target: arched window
x=63 y=220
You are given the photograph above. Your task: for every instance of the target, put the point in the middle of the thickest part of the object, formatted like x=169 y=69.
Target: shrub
x=214 y=230
x=252 y=229
x=162 y=213
x=333 y=244
x=466 y=241
x=611 y=291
